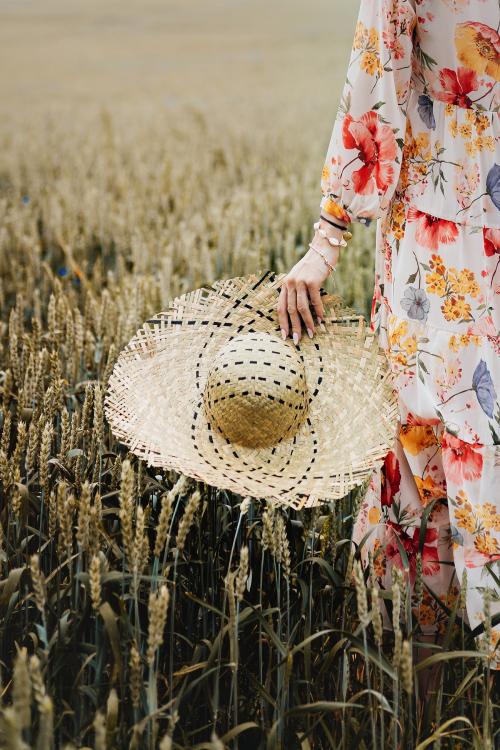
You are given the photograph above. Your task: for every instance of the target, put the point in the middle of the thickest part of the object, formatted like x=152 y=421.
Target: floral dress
x=415 y=145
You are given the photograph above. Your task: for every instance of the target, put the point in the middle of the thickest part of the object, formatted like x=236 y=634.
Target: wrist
x=331 y=252
x=338 y=223
x=331 y=231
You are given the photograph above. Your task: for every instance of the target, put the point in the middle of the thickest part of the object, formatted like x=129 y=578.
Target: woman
x=415 y=145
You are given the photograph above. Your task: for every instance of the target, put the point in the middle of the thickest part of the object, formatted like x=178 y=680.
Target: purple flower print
x=415 y=303
x=425 y=110
x=493 y=184
x=492 y=188
x=482 y=385
x=456 y=536
x=485 y=390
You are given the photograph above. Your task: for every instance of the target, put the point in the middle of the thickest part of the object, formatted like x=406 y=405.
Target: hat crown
x=256 y=391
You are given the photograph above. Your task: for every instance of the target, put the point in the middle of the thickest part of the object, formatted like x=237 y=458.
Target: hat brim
x=154 y=397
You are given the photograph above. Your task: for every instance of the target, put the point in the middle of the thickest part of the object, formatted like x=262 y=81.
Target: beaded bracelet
x=320 y=252
x=334 y=241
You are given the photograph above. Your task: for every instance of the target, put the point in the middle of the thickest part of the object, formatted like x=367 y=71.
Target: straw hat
x=210 y=389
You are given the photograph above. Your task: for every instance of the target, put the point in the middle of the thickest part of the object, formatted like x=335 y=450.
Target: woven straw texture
x=210 y=389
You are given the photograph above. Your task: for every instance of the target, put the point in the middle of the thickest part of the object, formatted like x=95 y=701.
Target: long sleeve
x=363 y=159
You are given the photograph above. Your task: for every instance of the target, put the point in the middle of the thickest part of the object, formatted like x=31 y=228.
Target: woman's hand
x=302 y=284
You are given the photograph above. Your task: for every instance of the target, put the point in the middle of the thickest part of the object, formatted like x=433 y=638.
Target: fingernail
x=283 y=334
x=310 y=333
x=295 y=337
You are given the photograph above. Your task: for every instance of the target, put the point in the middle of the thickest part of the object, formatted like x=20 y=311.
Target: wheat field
x=148 y=149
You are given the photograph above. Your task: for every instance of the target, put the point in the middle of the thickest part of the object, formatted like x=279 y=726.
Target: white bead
x=334 y=242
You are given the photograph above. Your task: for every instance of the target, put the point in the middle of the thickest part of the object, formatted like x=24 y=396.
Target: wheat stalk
x=158 y=608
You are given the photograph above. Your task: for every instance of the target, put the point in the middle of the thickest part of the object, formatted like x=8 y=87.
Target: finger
x=294 y=315
x=304 y=309
x=316 y=302
x=282 y=311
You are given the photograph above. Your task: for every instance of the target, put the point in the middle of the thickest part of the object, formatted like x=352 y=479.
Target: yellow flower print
x=453 y=128
x=414 y=438
x=374 y=515
x=470 y=148
x=422 y=142
x=476 y=48
x=465 y=130
x=463 y=499
x=485 y=143
x=463 y=282
x=398 y=358
x=455 y=308
x=450 y=310
x=426 y=615
x=374 y=38
x=398 y=332
x=481 y=122
x=410 y=345
x=428 y=489
x=472 y=339
x=369 y=41
x=465 y=519
x=335 y=209
x=398 y=232
x=436 y=263
x=398 y=211
x=370 y=63
x=436 y=284
x=489 y=516
x=360 y=36
x=421 y=170
x=379 y=561
x=463 y=308
x=405 y=173
x=464 y=339
x=486 y=544
x=486 y=509
x=470 y=115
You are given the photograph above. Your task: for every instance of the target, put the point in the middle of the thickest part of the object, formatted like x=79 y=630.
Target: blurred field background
x=147 y=149
x=223 y=109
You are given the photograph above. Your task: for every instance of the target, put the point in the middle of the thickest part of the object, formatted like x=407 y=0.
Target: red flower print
x=414 y=420
x=461 y=460
x=377 y=148
x=491 y=238
x=390 y=479
x=475 y=559
x=456 y=85
x=431 y=232
x=410 y=544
